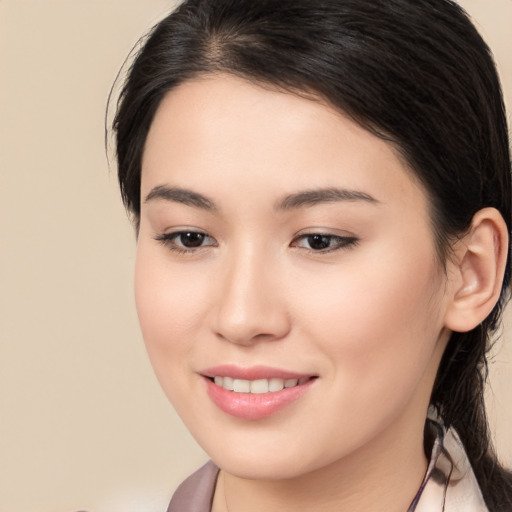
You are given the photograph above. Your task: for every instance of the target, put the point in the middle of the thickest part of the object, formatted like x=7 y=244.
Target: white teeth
x=290 y=383
x=228 y=383
x=275 y=385
x=242 y=386
x=258 y=386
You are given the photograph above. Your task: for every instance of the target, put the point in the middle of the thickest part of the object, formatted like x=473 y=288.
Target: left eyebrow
x=309 y=198
x=181 y=195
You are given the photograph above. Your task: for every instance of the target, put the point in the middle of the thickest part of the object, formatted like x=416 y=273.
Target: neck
x=384 y=475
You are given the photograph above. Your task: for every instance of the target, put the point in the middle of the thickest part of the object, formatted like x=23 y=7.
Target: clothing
x=449 y=484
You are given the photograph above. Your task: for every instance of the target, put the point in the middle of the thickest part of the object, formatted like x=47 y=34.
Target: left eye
x=323 y=243
x=183 y=241
x=190 y=239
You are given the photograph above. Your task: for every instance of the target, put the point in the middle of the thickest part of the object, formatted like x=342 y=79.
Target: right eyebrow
x=313 y=197
x=181 y=195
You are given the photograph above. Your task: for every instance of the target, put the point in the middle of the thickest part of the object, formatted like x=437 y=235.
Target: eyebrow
x=309 y=198
x=306 y=198
x=181 y=195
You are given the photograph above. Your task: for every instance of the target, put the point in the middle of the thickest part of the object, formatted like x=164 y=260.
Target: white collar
x=450 y=484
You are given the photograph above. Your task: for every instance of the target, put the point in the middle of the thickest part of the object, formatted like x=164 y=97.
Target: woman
x=321 y=191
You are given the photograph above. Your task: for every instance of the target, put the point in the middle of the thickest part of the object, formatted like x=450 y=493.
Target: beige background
x=83 y=423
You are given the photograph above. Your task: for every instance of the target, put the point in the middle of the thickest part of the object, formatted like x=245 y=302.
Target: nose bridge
x=250 y=306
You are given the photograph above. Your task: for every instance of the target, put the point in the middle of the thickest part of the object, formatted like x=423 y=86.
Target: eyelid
x=341 y=240
x=344 y=240
x=168 y=239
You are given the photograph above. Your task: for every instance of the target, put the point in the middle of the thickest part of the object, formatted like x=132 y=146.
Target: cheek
x=380 y=325
x=169 y=307
x=381 y=298
x=170 y=315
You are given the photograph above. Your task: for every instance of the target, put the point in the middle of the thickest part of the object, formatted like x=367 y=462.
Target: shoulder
x=195 y=494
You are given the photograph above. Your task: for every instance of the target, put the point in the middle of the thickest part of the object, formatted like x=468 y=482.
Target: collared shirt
x=449 y=484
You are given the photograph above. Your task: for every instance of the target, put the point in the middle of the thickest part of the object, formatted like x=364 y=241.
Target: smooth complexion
x=237 y=179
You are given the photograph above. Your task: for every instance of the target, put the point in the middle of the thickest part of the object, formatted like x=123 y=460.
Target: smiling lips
x=258 y=386
x=254 y=393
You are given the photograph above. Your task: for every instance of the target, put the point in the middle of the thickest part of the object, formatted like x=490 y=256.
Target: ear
x=477 y=270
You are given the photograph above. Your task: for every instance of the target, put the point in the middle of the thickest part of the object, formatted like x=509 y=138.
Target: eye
x=319 y=242
x=186 y=240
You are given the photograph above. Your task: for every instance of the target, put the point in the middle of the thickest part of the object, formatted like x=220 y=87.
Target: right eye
x=186 y=240
x=324 y=243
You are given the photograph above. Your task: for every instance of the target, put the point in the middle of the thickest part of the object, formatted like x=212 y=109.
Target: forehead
x=221 y=128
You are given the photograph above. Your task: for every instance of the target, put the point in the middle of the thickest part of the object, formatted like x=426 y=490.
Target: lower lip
x=253 y=406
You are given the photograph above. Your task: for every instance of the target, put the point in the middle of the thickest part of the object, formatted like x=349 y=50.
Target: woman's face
x=281 y=245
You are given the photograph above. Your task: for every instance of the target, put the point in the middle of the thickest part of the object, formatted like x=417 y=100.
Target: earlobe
x=478 y=269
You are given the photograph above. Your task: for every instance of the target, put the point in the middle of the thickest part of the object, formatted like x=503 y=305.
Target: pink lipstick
x=254 y=393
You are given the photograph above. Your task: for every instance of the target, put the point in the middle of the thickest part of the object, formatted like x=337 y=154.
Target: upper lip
x=251 y=372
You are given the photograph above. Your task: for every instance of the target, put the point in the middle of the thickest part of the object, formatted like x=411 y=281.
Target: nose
x=250 y=306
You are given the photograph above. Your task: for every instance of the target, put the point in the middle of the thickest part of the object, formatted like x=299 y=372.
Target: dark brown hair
x=414 y=72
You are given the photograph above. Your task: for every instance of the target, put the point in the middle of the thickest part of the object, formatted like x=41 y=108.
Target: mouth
x=255 y=393
x=258 y=386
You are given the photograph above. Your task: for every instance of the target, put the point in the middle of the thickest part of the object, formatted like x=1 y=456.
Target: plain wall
x=83 y=423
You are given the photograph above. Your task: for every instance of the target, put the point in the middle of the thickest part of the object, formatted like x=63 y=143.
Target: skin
x=368 y=319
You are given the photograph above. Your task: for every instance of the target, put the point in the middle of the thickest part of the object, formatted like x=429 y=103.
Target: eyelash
x=340 y=242
x=169 y=240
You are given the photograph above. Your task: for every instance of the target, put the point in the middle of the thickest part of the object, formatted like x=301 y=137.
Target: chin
x=260 y=468
x=267 y=459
